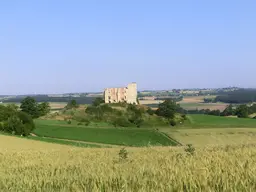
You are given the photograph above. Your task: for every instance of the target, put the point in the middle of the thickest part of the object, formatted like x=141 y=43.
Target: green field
x=209 y=121
x=116 y=136
x=202 y=130
x=197 y=130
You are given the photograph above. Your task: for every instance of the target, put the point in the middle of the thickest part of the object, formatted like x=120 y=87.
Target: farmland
x=214 y=136
x=190 y=103
x=223 y=158
x=36 y=166
x=121 y=136
x=208 y=121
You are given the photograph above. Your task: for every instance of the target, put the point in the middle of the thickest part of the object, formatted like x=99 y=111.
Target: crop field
x=209 y=121
x=205 y=130
x=214 y=136
x=35 y=166
x=116 y=136
x=56 y=105
x=199 y=106
x=145 y=102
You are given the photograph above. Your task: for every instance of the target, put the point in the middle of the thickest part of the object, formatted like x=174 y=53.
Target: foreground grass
x=125 y=136
x=231 y=168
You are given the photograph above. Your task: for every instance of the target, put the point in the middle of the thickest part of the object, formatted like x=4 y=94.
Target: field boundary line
x=78 y=141
x=170 y=138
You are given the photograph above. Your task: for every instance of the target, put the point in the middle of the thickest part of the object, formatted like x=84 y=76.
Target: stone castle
x=124 y=94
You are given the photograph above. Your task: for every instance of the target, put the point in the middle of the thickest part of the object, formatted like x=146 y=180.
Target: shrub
x=123 y=154
x=184 y=116
x=69 y=122
x=86 y=122
x=121 y=121
x=190 y=149
x=150 y=111
x=27 y=120
x=173 y=122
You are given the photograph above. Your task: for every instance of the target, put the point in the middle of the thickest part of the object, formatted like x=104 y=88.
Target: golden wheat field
x=61 y=168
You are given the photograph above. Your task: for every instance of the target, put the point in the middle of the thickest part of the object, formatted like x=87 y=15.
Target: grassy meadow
x=36 y=166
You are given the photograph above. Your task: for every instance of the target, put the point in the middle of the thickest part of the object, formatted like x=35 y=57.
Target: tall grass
x=231 y=168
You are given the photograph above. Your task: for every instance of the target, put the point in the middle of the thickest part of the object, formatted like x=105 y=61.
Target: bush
x=69 y=122
x=173 y=122
x=27 y=120
x=184 y=117
x=123 y=154
x=86 y=123
x=150 y=111
x=19 y=124
x=190 y=149
x=121 y=121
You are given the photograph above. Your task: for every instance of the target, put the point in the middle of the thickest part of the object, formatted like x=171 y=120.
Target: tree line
x=241 y=111
x=46 y=98
x=238 y=97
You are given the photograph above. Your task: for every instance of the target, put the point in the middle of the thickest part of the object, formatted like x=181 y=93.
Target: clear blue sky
x=56 y=46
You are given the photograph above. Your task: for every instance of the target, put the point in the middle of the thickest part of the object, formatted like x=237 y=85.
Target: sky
x=62 y=46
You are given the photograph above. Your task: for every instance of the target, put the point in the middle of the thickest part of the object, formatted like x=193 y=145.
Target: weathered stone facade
x=124 y=94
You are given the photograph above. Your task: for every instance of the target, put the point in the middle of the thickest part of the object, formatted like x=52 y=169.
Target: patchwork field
x=189 y=103
x=34 y=166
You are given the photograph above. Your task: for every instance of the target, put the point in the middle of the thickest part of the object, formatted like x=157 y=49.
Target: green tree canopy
x=98 y=101
x=44 y=108
x=167 y=109
x=72 y=104
x=242 y=111
x=14 y=121
x=228 y=111
x=30 y=106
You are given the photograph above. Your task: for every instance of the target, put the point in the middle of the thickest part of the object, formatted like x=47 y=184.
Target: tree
x=167 y=109
x=150 y=111
x=7 y=111
x=44 y=108
x=98 y=101
x=19 y=123
x=30 y=106
x=72 y=104
x=228 y=111
x=252 y=109
x=242 y=111
x=215 y=112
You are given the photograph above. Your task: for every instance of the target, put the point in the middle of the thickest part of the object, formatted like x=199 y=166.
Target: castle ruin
x=124 y=94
